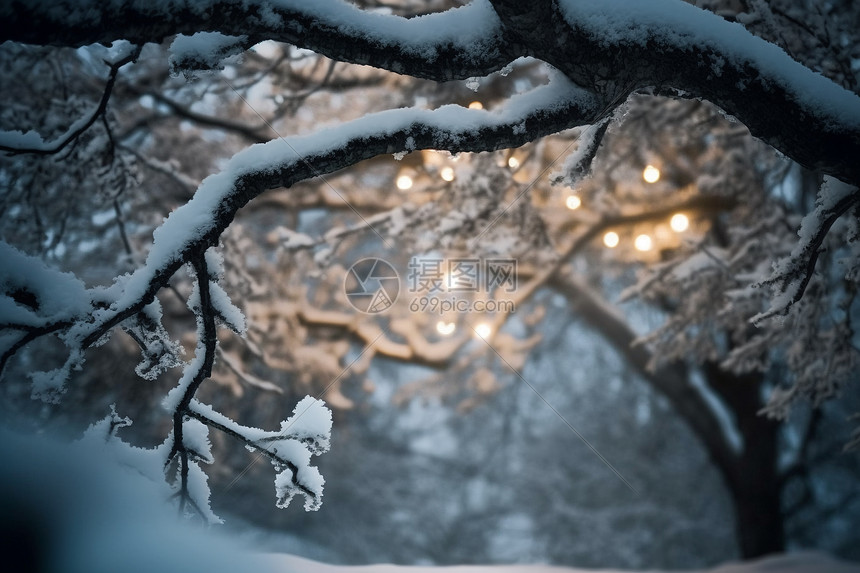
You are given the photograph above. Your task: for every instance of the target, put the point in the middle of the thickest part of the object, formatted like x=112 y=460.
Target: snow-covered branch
x=198 y=224
x=613 y=48
x=187 y=234
x=307 y=432
x=38 y=301
x=456 y=44
x=617 y=47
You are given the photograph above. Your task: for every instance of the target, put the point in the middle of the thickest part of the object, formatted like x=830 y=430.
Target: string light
x=513 y=162
x=476 y=105
x=611 y=239
x=447 y=173
x=651 y=174
x=483 y=330
x=573 y=202
x=679 y=222
x=404 y=182
x=643 y=243
x=445 y=328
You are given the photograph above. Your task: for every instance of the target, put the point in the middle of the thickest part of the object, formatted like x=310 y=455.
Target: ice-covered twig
x=307 y=432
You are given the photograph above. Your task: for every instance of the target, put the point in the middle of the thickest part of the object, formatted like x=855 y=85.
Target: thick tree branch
x=613 y=49
x=198 y=224
x=618 y=47
x=456 y=44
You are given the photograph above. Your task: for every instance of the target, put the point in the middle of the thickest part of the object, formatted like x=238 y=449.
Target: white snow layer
x=468 y=28
x=206 y=49
x=676 y=23
x=33 y=294
x=792 y=563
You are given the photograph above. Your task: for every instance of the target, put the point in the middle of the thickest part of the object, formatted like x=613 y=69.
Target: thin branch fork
x=29 y=337
x=208 y=341
x=256 y=444
x=253 y=134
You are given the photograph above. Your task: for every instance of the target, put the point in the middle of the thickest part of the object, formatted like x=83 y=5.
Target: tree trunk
x=757 y=495
x=750 y=475
x=753 y=478
x=759 y=524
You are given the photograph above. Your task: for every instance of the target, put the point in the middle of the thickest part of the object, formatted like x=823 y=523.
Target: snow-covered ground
x=65 y=509
x=794 y=563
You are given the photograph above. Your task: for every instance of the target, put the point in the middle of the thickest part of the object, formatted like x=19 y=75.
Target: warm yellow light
x=476 y=105
x=513 y=162
x=643 y=243
x=679 y=222
x=483 y=330
x=404 y=182
x=573 y=202
x=447 y=173
x=445 y=328
x=651 y=174
x=611 y=239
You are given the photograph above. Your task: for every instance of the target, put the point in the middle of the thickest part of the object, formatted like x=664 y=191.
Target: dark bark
x=753 y=479
x=757 y=494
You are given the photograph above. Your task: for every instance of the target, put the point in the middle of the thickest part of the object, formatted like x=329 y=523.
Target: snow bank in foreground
x=65 y=508
x=794 y=563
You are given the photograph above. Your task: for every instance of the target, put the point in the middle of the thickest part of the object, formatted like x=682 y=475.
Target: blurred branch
x=250 y=133
x=80 y=126
x=670 y=380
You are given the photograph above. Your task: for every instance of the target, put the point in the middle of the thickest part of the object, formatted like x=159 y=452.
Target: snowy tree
x=612 y=82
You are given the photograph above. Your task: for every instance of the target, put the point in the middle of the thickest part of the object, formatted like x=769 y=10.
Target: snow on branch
x=617 y=47
x=457 y=44
x=38 y=301
x=307 y=432
x=204 y=50
x=198 y=224
x=792 y=275
x=613 y=47
x=577 y=165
